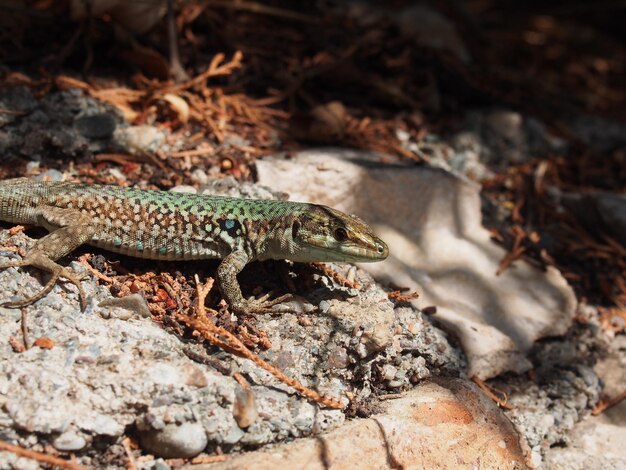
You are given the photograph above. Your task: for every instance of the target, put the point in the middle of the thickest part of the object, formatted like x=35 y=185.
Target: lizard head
x=323 y=234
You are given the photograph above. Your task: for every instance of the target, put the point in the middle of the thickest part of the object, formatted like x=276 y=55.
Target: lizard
x=163 y=225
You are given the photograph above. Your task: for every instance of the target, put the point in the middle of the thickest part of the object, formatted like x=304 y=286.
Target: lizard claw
x=57 y=271
x=262 y=304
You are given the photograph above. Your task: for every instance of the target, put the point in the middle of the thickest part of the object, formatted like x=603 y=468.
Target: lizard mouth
x=378 y=252
x=349 y=252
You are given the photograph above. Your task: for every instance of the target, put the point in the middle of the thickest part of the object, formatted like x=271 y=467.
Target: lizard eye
x=341 y=235
x=295 y=227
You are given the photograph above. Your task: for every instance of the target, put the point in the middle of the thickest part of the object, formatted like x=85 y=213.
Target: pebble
x=389 y=371
x=160 y=464
x=140 y=138
x=338 y=358
x=199 y=176
x=183 y=188
x=69 y=442
x=245 y=410
x=134 y=303
x=50 y=175
x=175 y=441
x=377 y=339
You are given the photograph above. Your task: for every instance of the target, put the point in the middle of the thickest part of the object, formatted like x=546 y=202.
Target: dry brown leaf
x=178 y=105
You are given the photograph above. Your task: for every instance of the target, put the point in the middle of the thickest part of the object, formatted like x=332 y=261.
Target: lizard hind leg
x=70 y=229
x=40 y=261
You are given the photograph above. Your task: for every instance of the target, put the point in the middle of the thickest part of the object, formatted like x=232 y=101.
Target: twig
x=502 y=403
x=200 y=459
x=336 y=276
x=399 y=297
x=192 y=153
x=84 y=260
x=130 y=463
x=224 y=339
x=41 y=457
x=241 y=381
x=167 y=282
x=390 y=396
x=604 y=405
x=215 y=69
x=25 y=329
x=516 y=251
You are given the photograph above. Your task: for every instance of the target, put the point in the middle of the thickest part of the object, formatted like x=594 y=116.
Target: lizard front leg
x=74 y=231
x=227 y=272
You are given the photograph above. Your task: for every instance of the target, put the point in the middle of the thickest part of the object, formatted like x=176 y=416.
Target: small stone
x=160 y=464
x=117 y=174
x=245 y=410
x=69 y=442
x=377 y=339
x=234 y=435
x=50 y=175
x=389 y=371
x=199 y=177
x=194 y=376
x=140 y=138
x=402 y=135
x=32 y=167
x=338 y=358
x=183 y=188
x=134 y=303
x=24 y=463
x=175 y=441
x=324 y=306
x=507 y=124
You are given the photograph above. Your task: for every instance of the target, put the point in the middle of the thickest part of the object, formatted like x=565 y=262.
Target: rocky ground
x=516 y=271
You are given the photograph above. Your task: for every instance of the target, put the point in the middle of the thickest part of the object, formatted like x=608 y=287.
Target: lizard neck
x=278 y=242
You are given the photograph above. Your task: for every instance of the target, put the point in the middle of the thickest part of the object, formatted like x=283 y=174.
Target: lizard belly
x=159 y=249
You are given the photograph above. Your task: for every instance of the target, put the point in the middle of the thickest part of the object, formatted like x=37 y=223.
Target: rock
x=139 y=138
x=498 y=138
x=432 y=223
x=105 y=373
x=131 y=304
x=18 y=101
x=599 y=212
x=183 y=188
x=50 y=175
x=69 y=441
x=68 y=123
x=160 y=464
x=245 y=411
x=431 y=29
x=98 y=126
x=175 y=441
x=414 y=431
x=598 y=442
x=600 y=133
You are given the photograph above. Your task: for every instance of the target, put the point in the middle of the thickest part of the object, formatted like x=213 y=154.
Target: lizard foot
x=56 y=270
x=262 y=304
